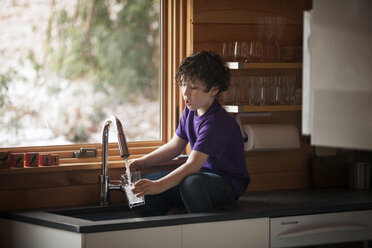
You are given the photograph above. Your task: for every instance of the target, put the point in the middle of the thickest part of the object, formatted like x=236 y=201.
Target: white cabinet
x=337 y=74
x=232 y=234
x=164 y=237
x=16 y=234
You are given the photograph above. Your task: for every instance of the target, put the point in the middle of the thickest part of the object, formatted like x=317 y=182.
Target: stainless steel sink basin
x=99 y=213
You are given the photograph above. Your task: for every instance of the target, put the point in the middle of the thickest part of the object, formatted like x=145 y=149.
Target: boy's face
x=196 y=97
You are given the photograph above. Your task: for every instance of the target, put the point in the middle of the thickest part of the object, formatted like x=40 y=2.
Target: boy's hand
x=147 y=187
x=136 y=165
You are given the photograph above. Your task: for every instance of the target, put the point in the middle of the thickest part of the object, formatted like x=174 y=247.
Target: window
x=68 y=65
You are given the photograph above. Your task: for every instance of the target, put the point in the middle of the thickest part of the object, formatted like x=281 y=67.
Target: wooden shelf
x=248 y=109
x=237 y=65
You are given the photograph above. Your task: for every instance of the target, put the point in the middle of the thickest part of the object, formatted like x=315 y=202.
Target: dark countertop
x=278 y=203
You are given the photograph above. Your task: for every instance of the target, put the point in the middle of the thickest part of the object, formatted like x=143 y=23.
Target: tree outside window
x=68 y=65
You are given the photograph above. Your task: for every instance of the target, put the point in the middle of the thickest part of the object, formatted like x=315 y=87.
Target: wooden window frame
x=176 y=37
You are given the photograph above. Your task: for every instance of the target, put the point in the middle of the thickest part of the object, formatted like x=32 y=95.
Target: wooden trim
x=175 y=49
x=237 y=65
x=269 y=108
x=190 y=27
x=84 y=167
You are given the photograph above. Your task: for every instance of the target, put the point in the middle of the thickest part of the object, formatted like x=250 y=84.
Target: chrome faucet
x=105 y=181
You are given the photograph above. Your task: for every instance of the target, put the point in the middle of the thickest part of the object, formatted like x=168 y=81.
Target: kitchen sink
x=99 y=213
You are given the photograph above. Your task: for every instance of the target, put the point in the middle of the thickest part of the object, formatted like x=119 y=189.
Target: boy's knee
x=194 y=194
x=191 y=183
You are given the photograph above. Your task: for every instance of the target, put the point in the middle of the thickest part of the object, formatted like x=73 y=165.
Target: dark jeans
x=198 y=192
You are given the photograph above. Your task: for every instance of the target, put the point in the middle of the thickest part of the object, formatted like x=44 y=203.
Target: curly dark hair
x=207 y=67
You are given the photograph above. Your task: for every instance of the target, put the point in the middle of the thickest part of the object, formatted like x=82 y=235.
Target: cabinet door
x=169 y=236
x=17 y=234
x=237 y=233
x=338 y=90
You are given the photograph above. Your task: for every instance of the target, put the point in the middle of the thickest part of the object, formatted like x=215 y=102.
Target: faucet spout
x=124 y=152
x=123 y=146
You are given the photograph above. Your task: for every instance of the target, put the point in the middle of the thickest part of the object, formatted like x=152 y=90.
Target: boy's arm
x=164 y=153
x=192 y=165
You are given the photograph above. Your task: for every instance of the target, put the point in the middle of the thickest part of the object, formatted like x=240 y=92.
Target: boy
x=215 y=172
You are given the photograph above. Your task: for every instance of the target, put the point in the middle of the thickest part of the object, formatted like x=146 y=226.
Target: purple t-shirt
x=217 y=134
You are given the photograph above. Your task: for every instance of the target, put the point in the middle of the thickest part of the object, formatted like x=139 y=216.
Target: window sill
x=67 y=162
x=84 y=166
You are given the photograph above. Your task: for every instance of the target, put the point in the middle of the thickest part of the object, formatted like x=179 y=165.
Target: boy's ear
x=214 y=91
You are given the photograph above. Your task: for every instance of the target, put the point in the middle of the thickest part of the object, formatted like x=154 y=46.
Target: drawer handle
x=321 y=230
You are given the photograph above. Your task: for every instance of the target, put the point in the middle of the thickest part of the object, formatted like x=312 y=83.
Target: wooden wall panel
x=272 y=170
x=52 y=189
x=49 y=197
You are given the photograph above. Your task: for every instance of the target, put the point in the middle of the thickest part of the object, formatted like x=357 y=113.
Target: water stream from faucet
x=127 y=170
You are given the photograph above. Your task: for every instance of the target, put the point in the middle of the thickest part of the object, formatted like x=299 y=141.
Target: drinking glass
x=241 y=53
x=234 y=88
x=225 y=97
x=228 y=51
x=280 y=24
x=255 y=51
x=228 y=96
x=260 y=28
x=287 y=89
x=287 y=54
x=128 y=185
x=250 y=89
x=270 y=88
x=270 y=52
x=244 y=91
x=257 y=91
x=298 y=98
x=241 y=91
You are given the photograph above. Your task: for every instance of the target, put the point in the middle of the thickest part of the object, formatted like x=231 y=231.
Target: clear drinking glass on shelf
x=257 y=88
x=238 y=89
x=241 y=91
x=250 y=89
x=255 y=51
x=287 y=89
x=283 y=90
x=270 y=90
x=292 y=89
x=228 y=51
x=277 y=89
x=268 y=22
x=228 y=96
x=269 y=46
x=245 y=97
x=225 y=98
x=287 y=54
x=271 y=29
x=260 y=28
x=298 y=98
x=241 y=51
x=270 y=52
x=280 y=24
